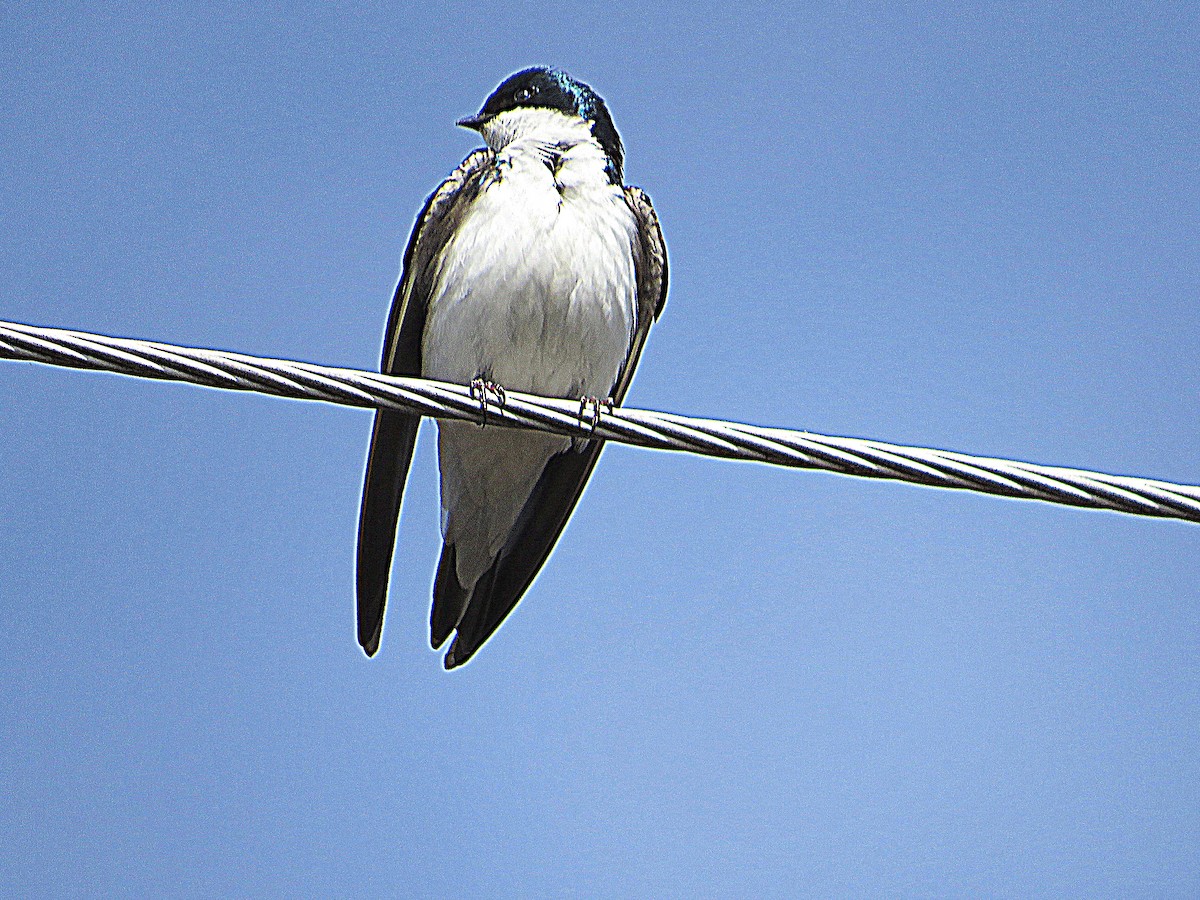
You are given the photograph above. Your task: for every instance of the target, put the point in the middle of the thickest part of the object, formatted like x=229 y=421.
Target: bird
x=534 y=268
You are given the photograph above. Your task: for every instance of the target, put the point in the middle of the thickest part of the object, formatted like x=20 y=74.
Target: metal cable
x=663 y=431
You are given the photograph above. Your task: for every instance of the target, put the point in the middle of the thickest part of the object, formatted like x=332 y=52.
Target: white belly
x=537 y=292
x=537 y=288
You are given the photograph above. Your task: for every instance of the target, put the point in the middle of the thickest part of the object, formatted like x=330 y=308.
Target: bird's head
x=553 y=92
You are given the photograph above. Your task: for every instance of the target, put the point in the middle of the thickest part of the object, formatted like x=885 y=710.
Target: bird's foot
x=482 y=390
x=589 y=410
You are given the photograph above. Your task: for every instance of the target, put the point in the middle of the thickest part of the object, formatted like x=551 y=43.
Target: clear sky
x=965 y=227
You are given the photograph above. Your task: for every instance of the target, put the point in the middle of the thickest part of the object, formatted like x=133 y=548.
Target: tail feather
x=449 y=598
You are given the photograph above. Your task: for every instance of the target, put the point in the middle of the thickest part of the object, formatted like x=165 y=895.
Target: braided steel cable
x=663 y=431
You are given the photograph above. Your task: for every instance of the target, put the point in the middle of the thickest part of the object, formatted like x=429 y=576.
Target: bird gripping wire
x=662 y=431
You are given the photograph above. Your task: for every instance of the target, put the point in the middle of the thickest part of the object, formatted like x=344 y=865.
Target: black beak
x=475 y=123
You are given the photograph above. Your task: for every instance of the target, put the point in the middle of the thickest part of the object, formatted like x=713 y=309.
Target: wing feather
x=394 y=434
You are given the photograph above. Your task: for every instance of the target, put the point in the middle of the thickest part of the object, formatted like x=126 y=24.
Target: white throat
x=548 y=126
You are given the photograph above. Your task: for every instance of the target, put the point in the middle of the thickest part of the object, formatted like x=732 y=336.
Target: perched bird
x=532 y=268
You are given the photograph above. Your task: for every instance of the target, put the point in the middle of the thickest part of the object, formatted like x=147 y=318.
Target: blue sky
x=965 y=227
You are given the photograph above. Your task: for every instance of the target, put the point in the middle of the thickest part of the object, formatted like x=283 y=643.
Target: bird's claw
x=589 y=410
x=481 y=388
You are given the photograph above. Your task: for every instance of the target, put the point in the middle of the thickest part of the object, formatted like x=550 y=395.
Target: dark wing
x=557 y=491
x=395 y=433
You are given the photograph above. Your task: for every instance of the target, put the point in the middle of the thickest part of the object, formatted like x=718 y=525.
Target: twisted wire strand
x=662 y=431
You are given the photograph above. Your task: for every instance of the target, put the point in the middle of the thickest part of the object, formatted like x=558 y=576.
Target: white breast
x=537 y=288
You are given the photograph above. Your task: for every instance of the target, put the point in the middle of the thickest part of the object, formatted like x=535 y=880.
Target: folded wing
x=395 y=433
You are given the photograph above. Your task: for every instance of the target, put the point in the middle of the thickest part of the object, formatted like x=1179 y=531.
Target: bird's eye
x=523 y=94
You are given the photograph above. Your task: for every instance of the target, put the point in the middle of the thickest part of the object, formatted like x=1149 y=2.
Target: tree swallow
x=532 y=267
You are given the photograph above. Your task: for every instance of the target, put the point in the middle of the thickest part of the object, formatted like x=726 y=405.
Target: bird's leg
x=480 y=389
x=584 y=402
x=479 y=392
